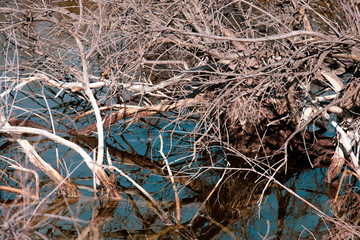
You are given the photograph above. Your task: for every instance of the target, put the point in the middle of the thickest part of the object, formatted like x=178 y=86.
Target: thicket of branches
x=258 y=75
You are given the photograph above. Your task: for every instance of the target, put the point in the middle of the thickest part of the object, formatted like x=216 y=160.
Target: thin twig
x=261 y=39
x=164 y=216
x=177 y=199
x=207 y=198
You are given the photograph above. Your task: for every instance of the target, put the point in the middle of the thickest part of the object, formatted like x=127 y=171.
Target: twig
x=19 y=191
x=207 y=199
x=164 y=216
x=261 y=39
x=17 y=87
x=270 y=178
x=14 y=164
x=321 y=16
x=85 y=81
x=343 y=55
x=266 y=13
x=138 y=112
x=99 y=172
x=321 y=111
x=66 y=186
x=177 y=199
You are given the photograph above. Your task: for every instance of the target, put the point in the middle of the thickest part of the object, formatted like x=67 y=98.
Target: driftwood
x=138 y=112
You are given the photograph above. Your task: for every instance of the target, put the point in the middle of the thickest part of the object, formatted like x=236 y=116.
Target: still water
x=232 y=211
x=216 y=203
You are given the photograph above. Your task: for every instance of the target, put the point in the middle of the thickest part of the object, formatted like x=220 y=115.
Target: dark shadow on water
x=218 y=201
x=230 y=211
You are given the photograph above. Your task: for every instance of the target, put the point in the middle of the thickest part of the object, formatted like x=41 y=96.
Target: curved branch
x=260 y=39
x=97 y=170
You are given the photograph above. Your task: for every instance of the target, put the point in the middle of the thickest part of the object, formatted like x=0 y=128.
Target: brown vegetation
x=265 y=79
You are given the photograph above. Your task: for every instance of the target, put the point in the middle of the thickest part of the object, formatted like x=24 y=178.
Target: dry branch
x=111 y=188
x=139 y=112
x=275 y=37
x=163 y=214
x=251 y=65
x=64 y=185
x=176 y=193
x=19 y=191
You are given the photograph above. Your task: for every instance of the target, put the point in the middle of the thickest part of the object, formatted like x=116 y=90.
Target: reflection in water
x=227 y=199
x=280 y=216
x=228 y=210
x=217 y=200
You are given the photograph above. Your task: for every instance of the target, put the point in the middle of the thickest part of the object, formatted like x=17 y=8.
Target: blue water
x=177 y=147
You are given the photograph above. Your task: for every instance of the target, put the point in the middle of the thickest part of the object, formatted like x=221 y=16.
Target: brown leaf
x=228 y=33
x=334 y=168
